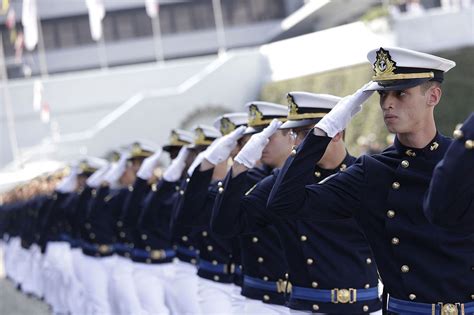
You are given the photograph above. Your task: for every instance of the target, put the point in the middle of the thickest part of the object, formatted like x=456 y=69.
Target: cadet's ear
x=337 y=137
x=434 y=95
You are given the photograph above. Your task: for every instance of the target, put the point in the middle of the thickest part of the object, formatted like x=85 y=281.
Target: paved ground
x=13 y=302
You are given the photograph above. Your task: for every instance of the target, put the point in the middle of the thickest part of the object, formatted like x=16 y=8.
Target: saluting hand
x=116 y=171
x=174 y=171
x=146 y=169
x=97 y=177
x=219 y=152
x=68 y=184
x=340 y=116
x=252 y=150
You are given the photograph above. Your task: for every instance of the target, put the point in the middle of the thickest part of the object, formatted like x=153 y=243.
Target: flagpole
x=219 y=20
x=8 y=106
x=156 y=28
x=42 y=51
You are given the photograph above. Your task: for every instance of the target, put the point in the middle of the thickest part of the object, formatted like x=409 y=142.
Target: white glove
x=252 y=150
x=97 y=178
x=339 y=117
x=116 y=171
x=69 y=183
x=224 y=146
x=197 y=161
x=146 y=169
x=174 y=171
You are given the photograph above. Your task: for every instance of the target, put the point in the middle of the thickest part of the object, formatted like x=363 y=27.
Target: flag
x=152 y=8
x=30 y=24
x=5 y=6
x=44 y=114
x=96 y=15
x=37 y=95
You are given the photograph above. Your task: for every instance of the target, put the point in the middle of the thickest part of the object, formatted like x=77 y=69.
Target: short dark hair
x=426 y=85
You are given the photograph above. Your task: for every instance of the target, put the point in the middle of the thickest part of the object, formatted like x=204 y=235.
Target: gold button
x=181 y=192
x=265 y=278
x=219 y=184
x=193 y=261
x=184 y=238
x=130 y=188
x=260 y=259
x=94 y=193
x=395 y=241
x=343 y=167
x=88 y=226
x=176 y=188
x=92 y=236
x=458 y=134
x=216 y=278
x=266 y=298
x=412 y=296
x=287 y=275
x=469 y=144
x=204 y=233
x=367 y=286
x=390 y=213
x=314 y=284
x=317 y=174
x=147 y=248
x=122 y=234
x=395 y=185
x=255 y=239
x=209 y=248
x=303 y=238
x=309 y=261
x=119 y=223
x=188 y=180
x=368 y=261
x=405 y=164
x=405 y=268
x=221 y=190
x=315 y=307
x=365 y=308
x=472 y=296
x=293 y=152
x=144 y=237
x=153 y=187
x=214 y=262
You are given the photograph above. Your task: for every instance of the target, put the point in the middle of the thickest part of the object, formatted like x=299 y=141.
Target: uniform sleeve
x=449 y=202
x=240 y=207
x=190 y=211
x=337 y=196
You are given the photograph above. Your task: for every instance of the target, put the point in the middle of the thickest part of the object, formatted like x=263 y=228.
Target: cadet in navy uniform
x=263 y=262
x=449 y=200
x=425 y=270
x=303 y=241
x=215 y=254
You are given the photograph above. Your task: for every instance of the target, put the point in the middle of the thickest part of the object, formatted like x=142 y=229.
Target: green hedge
x=456 y=104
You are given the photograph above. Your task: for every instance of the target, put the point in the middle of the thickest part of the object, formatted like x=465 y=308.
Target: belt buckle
x=103 y=249
x=283 y=286
x=157 y=254
x=343 y=296
x=450 y=309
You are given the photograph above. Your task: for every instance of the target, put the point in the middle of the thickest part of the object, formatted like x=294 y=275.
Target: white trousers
x=94 y=274
x=33 y=284
x=123 y=294
x=155 y=288
x=215 y=297
x=258 y=307
x=238 y=300
x=186 y=283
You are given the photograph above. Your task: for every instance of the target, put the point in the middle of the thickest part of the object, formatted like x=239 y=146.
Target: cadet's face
x=405 y=111
x=130 y=174
x=277 y=150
